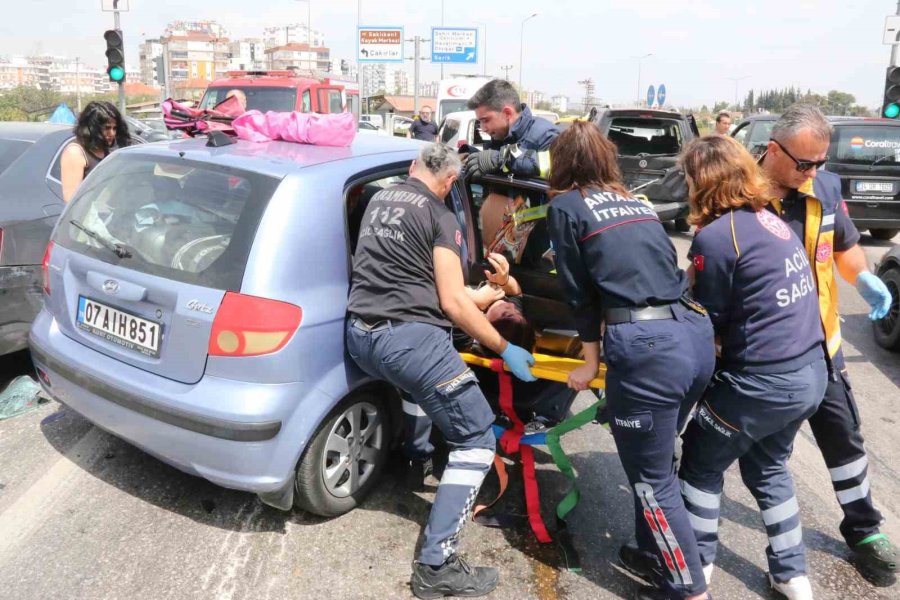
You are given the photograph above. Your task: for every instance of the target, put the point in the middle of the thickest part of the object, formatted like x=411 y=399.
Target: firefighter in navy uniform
x=406 y=289
x=810 y=203
x=618 y=266
x=752 y=275
x=519 y=143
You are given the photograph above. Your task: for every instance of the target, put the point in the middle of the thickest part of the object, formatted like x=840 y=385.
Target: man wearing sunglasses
x=809 y=201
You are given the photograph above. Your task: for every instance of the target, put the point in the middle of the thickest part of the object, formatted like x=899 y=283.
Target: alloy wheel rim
x=352 y=449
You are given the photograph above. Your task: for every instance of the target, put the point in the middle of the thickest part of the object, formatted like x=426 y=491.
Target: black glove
x=484 y=162
x=468 y=149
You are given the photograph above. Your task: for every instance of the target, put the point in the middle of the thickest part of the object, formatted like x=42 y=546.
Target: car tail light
x=45 y=267
x=251 y=326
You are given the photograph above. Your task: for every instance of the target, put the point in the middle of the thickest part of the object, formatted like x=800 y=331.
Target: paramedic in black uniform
x=617 y=265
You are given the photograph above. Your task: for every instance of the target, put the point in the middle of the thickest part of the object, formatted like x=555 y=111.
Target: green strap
x=562 y=461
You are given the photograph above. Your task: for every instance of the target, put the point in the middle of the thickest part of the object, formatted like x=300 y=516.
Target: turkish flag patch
x=845 y=207
x=458 y=238
x=698 y=262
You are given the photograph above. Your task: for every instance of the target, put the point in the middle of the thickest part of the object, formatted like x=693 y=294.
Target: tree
x=544 y=105
x=719 y=107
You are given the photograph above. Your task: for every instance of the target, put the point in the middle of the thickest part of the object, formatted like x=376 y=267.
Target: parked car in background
x=887 y=330
x=865 y=153
x=461 y=128
x=546 y=115
x=146 y=132
x=648 y=143
x=30 y=203
x=369 y=129
x=373 y=119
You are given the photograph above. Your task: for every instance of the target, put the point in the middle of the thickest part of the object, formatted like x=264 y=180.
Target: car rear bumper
x=874 y=214
x=245 y=445
x=20 y=302
x=669 y=211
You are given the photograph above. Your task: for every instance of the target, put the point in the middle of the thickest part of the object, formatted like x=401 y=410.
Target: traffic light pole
x=121 y=84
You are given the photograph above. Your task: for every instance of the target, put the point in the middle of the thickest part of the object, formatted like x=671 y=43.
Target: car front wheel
x=884 y=234
x=887 y=330
x=345 y=458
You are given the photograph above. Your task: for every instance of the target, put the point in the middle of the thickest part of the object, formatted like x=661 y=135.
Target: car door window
x=307 y=102
x=741 y=134
x=360 y=193
x=759 y=137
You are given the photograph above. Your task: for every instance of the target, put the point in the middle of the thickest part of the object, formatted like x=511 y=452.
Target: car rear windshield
x=279 y=99
x=866 y=144
x=642 y=135
x=10 y=150
x=189 y=221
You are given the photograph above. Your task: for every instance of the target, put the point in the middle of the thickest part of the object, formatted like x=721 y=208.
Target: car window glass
x=307 y=102
x=759 y=136
x=866 y=144
x=10 y=150
x=639 y=135
x=357 y=200
x=263 y=99
x=741 y=134
x=513 y=221
x=188 y=221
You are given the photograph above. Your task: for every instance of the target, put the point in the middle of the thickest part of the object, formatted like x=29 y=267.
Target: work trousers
x=836 y=427
x=753 y=418
x=420 y=360
x=656 y=372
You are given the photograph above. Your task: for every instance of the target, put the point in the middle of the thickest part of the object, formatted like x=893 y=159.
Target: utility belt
x=631 y=314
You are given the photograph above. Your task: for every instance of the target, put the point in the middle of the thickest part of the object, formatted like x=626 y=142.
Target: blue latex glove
x=873 y=290
x=518 y=360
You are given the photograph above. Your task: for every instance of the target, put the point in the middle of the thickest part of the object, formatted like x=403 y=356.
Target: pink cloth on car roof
x=334 y=129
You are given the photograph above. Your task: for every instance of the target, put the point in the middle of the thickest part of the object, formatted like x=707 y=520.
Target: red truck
x=280 y=91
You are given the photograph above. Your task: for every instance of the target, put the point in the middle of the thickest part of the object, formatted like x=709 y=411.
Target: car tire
x=884 y=234
x=887 y=330
x=353 y=440
x=682 y=225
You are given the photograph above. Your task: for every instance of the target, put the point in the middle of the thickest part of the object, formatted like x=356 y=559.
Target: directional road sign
x=379 y=45
x=454 y=45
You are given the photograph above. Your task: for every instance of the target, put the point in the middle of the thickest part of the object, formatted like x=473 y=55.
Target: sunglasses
x=802 y=165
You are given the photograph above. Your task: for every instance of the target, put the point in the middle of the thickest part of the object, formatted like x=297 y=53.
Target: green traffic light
x=891 y=111
x=118 y=74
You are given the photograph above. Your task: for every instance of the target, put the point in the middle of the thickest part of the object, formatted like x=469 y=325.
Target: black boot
x=877 y=552
x=641 y=564
x=416 y=472
x=454 y=578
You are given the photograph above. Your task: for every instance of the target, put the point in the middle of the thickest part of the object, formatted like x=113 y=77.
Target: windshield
x=188 y=221
x=278 y=99
x=452 y=106
x=860 y=144
x=10 y=150
x=638 y=135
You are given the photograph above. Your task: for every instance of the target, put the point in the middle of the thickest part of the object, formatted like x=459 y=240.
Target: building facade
x=247 y=55
x=560 y=103
x=292 y=33
x=299 y=56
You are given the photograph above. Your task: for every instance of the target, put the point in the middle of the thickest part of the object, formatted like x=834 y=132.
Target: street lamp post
x=521 y=48
x=736 y=80
x=639 y=59
x=309 y=42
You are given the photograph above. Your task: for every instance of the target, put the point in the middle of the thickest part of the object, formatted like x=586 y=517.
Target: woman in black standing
x=618 y=267
x=99 y=130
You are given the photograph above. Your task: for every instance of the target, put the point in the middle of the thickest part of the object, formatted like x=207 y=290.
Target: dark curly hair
x=89 y=129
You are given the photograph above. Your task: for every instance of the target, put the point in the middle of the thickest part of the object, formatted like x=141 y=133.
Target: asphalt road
x=85 y=515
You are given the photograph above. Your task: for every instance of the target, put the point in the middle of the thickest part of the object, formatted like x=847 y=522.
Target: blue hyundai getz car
x=195 y=298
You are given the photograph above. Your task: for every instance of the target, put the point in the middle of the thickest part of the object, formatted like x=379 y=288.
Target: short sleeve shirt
x=393 y=268
x=423 y=131
x=794 y=214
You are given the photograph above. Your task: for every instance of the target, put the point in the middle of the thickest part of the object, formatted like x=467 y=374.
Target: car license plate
x=875 y=186
x=119 y=327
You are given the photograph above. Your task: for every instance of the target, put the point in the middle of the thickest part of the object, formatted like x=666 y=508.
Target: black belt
x=613 y=316
x=362 y=325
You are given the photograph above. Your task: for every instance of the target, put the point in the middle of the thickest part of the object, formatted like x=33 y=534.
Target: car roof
x=263 y=81
x=29 y=132
x=277 y=158
x=640 y=112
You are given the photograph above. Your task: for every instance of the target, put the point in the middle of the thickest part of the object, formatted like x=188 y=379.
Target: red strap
x=504 y=481
x=532 y=498
x=509 y=442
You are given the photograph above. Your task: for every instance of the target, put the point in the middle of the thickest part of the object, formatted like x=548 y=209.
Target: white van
x=454 y=93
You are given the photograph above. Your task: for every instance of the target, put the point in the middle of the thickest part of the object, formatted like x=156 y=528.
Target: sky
x=696 y=46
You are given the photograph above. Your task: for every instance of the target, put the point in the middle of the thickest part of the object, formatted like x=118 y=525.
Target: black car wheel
x=887 y=330
x=682 y=225
x=883 y=234
x=344 y=460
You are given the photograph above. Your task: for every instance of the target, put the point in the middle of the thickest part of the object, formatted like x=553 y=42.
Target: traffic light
x=890 y=108
x=115 y=55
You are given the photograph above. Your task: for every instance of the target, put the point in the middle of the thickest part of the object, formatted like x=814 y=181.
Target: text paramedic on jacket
x=617 y=265
x=519 y=143
x=809 y=201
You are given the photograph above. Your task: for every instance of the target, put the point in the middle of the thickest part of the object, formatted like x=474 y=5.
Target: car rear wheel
x=884 y=234
x=345 y=458
x=887 y=330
